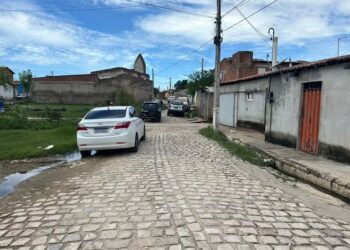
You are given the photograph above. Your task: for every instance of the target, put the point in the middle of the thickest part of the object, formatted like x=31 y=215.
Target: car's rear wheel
x=144 y=134
x=136 y=145
x=85 y=154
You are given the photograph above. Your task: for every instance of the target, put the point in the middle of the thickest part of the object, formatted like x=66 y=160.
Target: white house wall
x=248 y=113
x=334 y=136
x=6 y=93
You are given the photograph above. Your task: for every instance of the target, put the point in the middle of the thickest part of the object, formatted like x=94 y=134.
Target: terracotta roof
x=4 y=67
x=63 y=78
x=299 y=67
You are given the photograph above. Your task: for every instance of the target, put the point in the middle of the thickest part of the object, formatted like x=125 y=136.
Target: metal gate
x=226 y=115
x=310 y=115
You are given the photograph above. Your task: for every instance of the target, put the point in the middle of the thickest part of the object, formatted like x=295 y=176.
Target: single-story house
x=304 y=106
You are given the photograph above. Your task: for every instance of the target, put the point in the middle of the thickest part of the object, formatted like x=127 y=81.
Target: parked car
x=177 y=107
x=186 y=102
x=113 y=127
x=151 y=111
x=171 y=98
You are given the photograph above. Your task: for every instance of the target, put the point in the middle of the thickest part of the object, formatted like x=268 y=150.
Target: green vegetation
x=27 y=143
x=236 y=149
x=197 y=80
x=26 y=132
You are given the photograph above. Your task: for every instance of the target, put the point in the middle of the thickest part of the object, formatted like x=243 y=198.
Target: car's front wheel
x=85 y=154
x=136 y=145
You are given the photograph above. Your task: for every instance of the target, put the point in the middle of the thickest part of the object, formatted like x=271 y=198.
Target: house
x=242 y=64
x=203 y=100
x=97 y=87
x=304 y=107
x=8 y=92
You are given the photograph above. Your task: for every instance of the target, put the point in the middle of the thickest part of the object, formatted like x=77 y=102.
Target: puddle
x=12 y=180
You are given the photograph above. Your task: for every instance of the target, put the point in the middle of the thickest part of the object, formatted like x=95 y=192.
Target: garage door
x=226 y=109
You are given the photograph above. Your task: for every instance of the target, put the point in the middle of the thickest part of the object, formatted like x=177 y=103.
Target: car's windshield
x=176 y=102
x=105 y=114
x=150 y=106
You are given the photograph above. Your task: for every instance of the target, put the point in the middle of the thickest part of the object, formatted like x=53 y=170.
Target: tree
x=197 y=81
x=155 y=91
x=26 y=79
x=181 y=84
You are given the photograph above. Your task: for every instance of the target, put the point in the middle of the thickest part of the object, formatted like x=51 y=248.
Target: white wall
x=6 y=93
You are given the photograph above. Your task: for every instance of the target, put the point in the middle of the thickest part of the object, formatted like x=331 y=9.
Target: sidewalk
x=330 y=175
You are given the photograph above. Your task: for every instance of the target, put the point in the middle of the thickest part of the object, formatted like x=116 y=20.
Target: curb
x=309 y=175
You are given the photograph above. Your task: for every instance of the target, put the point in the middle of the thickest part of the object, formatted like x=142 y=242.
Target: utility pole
x=217 y=42
x=170 y=82
x=274 y=49
x=340 y=38
x=153 y=94
x=202 y=68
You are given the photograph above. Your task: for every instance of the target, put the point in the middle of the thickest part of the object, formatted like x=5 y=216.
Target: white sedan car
x=113 y=127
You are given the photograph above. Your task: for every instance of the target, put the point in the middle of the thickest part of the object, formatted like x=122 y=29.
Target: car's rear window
x=105 y=114
x=150 y=106
x=177 y=102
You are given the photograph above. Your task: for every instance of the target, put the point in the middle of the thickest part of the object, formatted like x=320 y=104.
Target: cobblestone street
x=180 y=191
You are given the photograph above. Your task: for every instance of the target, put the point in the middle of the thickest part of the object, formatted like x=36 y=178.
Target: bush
x=52 y=115
x=18 y=119
x=14 y=119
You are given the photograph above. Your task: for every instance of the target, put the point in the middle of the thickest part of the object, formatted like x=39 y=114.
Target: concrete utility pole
x=340 y=38
x=170 y=82
x=153 y=95
x=217 y=42
x=202 y=68
x=274 y=49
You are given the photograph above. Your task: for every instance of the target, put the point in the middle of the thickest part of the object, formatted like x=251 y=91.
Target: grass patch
x=69 y=111
x=25 y=143
x=236 y=149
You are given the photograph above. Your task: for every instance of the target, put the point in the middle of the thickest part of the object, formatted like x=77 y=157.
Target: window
x=132 y=112
x=249 y=96
x=105 y=114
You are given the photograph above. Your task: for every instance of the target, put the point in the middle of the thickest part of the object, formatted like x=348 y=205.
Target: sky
x=79 y=36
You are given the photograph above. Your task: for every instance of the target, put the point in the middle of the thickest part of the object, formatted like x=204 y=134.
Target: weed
x=236 y=149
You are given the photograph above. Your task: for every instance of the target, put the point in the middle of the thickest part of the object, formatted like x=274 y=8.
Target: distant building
x=96 y=87
x=8 y=92
x=242 y=65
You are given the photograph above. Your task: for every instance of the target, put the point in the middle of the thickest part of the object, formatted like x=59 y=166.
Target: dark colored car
x=151 y=111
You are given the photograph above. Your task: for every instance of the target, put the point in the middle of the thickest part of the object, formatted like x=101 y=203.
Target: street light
x=339 y=38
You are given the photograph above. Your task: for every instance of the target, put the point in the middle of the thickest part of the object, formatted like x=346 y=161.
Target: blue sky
x=46 y=37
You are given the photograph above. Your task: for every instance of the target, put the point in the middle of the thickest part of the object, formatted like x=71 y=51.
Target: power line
x=69 y=10
x=235 y=24
x=234 y=7
x=186 y=56
x=111 y=8
x=261 y=35
x=170 y=9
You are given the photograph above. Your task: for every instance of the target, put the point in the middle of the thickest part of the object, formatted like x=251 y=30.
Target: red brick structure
x=242 y=65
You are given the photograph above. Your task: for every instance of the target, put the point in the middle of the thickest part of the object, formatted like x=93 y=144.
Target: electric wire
x=250 y=15
x=112 y=8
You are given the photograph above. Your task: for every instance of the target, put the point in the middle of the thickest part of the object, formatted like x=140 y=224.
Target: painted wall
x=248 y=113
x=334 y=138
x=6 y=93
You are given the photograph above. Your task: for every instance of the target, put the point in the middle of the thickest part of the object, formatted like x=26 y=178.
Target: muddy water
x=9 y=183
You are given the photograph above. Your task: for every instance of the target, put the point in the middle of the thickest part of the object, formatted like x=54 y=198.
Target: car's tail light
x=122 y=125
x=81 y=128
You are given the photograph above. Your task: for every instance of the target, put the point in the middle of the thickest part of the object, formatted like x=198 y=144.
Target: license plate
x=100 y=130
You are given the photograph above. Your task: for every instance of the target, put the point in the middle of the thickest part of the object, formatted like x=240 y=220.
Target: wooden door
x=310 y=117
